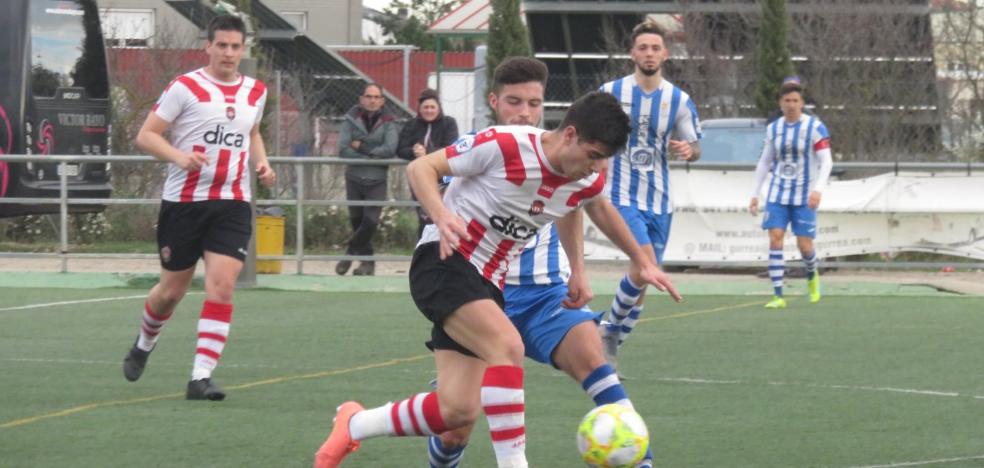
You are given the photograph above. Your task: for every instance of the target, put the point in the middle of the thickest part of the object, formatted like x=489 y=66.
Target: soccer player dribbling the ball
x=509 y=182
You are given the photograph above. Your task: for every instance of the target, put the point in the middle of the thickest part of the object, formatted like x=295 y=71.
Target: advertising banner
x=941 y=213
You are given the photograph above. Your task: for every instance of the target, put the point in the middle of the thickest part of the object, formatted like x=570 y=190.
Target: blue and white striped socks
x=623 y=307
x=441 y=457
x=603 y=386
x=811 y=263
x=777 y=268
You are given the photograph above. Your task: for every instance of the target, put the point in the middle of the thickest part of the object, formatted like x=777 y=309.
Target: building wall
x=335 y=22
x=171 y=30
x=330 y=22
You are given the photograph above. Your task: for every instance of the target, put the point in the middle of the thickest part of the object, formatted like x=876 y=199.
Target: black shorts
x=186 y=230
x=440 y=287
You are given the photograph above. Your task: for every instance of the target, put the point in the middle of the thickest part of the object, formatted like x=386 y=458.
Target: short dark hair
x=226 y=23
x=598 y=118
x=790 y=88
x=646 y=27
x=516 y=70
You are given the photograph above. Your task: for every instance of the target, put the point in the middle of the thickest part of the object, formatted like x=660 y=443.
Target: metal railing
x=299 y=202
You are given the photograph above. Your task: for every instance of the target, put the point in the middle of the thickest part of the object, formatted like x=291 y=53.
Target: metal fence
x=298 y=179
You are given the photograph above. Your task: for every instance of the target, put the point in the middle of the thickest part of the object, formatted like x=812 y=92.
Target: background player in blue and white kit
x=797 y=158
x=213 y=116
x=664 y=122
x=555 y=326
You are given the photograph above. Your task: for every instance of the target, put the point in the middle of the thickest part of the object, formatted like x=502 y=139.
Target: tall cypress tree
x=773 y=57
x=507 y=35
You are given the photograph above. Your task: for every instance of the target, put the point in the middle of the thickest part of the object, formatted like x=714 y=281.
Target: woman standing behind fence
x=797 y=154
x=430 y=131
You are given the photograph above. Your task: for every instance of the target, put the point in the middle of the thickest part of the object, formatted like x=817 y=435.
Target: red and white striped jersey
x=506 y=191
x=214 y=118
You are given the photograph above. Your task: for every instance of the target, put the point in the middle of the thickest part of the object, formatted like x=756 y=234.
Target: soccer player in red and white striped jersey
x=509 y=182
x=213 y=115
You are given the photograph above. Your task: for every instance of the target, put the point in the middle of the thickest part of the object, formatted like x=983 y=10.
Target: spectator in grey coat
x=368 y=132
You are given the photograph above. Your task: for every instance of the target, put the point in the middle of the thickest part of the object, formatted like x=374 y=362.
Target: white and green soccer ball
x=612 y=436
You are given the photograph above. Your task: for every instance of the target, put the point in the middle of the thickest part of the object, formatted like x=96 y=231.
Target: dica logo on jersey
x=512 y=227
x=219 y=136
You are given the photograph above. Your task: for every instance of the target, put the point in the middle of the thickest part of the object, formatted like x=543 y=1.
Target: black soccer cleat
x=134 y=363
x=204 y=389
x=343 y=267
x=365 y=269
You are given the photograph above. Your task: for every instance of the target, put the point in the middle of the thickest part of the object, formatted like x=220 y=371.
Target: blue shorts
x=648 y=228
x=803 y=218
x=542 y=321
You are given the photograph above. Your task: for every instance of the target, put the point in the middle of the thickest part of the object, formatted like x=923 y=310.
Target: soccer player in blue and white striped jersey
x=664 y=122
x=797 y=158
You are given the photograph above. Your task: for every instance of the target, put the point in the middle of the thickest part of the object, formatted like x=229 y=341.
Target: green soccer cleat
x=777 y=302
x=814 y=286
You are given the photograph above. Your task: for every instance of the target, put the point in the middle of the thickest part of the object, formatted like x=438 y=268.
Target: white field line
x=80 y=301
x=913 y=391
x=924 y=462
x=691 y=380
x=116 y=363
x=63 y=303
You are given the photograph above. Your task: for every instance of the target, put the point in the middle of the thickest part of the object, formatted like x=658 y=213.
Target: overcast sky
x=376 y=4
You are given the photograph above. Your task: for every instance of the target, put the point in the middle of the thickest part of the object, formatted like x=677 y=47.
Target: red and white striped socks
x=150 y=329
x=213 y=329
x=419 y=415
x=504 y=403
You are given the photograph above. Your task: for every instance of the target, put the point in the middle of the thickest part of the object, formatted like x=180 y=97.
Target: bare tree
x=959 y=30
x=867 y=68
x=138 y=76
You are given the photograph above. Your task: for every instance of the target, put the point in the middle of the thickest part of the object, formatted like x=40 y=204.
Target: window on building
x=124 y=27
x=297 y=19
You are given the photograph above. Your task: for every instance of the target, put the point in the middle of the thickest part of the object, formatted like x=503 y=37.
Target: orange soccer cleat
x=339 y=443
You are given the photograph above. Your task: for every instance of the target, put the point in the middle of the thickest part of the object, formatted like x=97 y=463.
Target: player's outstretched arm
x=610 y=222
x=423 y=174
x=257 y=151
x=150 y=140
x=570 y=230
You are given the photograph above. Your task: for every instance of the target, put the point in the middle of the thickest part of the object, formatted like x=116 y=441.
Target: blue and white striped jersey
x=640 y=174
x=543 y=261
x=798 y=158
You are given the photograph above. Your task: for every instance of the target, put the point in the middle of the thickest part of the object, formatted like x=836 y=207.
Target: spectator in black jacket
x=430 y=131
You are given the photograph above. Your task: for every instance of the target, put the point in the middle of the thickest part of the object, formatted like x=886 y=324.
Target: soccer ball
x=612 y=436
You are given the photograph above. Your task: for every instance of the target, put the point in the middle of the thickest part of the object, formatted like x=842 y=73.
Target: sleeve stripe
x=588 y=192
x=195 y=88
x=256 y=93
x=515 y=169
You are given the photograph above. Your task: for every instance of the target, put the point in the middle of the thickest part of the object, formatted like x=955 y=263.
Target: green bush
x=29 y=229
x=327 y=229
